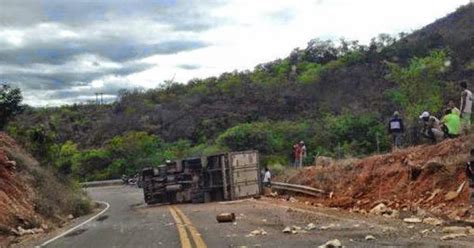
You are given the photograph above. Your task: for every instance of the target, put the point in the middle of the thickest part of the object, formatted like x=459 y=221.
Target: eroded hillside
x=32 y=199
x=428 y=178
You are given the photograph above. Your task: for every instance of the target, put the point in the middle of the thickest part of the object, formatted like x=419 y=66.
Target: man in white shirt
x=267 y=178
x=466 y=107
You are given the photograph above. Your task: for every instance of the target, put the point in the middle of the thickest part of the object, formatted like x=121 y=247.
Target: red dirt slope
x=16 y=201
x=409 y=179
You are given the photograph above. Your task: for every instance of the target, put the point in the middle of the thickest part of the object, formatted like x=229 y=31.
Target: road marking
x=107 y=206
x=194 y=232
x=183 y=236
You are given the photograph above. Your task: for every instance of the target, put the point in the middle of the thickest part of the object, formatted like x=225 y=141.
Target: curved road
x=130 y=223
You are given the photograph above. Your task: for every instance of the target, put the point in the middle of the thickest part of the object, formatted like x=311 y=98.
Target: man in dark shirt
x=396 y=128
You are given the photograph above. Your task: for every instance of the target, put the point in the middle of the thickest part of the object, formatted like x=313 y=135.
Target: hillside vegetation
x=32 y=197
x=336 y=98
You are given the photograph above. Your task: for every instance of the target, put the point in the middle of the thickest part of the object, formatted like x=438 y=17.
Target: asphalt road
x=130 y=223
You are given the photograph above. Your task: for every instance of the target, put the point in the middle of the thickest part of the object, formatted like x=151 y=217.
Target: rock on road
x=130 y=223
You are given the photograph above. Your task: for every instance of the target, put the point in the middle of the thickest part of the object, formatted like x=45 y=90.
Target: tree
x=320 y=52
x=419 y=83
x=10 y=99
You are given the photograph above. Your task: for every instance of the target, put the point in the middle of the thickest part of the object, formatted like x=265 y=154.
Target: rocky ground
x=32 y=199
x=423 y=181
x=16 y=196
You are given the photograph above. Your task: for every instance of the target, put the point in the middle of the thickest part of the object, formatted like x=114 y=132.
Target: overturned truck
x=226 y=176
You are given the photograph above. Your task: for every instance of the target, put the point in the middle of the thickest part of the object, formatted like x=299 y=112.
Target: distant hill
x=309 y=84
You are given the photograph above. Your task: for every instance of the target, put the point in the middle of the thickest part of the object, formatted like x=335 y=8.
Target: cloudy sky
x=63 y=51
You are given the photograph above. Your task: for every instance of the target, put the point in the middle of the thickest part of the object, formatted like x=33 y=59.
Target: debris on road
x=293 y=230
x=432 y=221
x=380 y=209
x=335 y=243
x=412 y=220
x=296 y=228
x=424 y=232
x=310 y=226
x=233 y=202
x=327 y=227
x=369 y=237
x=458 y=229
x=225 y=217
x=256 y=232
x=453 y=236
x=292 y=200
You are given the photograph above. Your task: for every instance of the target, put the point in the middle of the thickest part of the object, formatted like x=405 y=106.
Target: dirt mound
x=16 y=197
x=429 y=177
x=32 y=198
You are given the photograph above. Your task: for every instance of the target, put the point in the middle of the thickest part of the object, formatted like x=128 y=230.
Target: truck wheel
x=197 y=197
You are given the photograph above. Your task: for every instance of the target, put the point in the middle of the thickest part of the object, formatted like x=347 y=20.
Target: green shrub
x=355 y=135
x=81 y=205
x=277 y=169
x=311 y=73
x=87 y=164
x=419 y=83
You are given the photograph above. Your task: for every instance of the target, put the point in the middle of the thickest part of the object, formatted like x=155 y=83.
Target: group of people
x=454 y=122
x=299 y=154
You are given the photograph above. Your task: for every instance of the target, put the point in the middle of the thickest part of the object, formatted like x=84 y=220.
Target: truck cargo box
x=218 y=177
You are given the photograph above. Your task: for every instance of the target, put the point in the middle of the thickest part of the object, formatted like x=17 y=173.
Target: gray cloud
x=43 y=41
x=119 y=49
x=180 y=14
x=63 y=79
x=189 y=66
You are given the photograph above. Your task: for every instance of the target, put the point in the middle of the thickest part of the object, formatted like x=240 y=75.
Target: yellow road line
x=183 y=236
x=194 y=233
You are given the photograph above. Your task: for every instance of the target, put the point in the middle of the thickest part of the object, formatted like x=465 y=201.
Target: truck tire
x=197 y=197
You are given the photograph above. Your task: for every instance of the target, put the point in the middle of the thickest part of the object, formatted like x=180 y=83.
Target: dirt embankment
x=16 y=194
x=427 y=178
x=32 y=198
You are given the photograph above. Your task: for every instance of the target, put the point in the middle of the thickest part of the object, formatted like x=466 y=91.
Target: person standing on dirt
x=466 y=107
x=470 y=178
x=267 y=178
x=303 y=153
x=297 y=155
x=451 y=124
x=396 y=129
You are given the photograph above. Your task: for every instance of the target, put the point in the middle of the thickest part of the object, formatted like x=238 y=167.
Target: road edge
x=107 y=206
